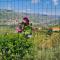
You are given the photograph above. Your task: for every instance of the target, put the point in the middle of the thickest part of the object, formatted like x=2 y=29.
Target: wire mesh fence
x=29 y=30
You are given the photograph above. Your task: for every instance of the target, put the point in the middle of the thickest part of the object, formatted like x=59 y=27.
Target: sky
x=51 y=7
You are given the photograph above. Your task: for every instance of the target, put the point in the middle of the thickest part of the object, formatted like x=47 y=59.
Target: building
x=56 y=28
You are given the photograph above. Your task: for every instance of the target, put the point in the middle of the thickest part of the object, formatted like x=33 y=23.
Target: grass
x=45 y=47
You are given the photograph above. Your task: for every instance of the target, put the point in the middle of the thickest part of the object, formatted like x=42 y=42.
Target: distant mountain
x=6 y=14
x=35 y=18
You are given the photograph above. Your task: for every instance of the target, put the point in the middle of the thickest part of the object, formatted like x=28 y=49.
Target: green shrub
x=14 y=48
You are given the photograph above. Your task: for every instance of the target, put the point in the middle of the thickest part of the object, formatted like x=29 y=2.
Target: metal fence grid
x=44 y=44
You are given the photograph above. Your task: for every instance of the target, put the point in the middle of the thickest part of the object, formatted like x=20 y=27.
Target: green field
x=14 y=46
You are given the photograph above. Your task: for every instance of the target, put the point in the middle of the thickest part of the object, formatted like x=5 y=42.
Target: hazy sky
x=32 y=6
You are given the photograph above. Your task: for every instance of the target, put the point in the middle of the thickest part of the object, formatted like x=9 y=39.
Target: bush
x=14 y=48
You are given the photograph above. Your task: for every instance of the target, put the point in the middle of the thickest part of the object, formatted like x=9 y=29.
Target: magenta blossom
x=18 y=30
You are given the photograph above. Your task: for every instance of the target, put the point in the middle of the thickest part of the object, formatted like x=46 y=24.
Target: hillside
x=35 y=18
